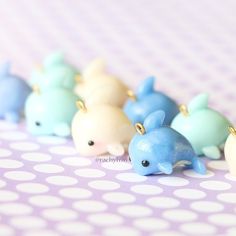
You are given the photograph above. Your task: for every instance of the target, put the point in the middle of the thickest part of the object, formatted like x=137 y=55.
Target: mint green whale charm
x=54 y=73
x=205 y=128
x=50 y=112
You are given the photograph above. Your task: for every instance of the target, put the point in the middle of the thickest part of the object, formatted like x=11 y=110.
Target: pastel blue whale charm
x=205 y=128
x=50 y=112
x=13 y=93
x=54 y=73
x=147 y=100
x=158 y=149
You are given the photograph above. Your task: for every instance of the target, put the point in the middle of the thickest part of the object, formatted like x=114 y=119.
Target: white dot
x=45 y=201
x=5 y=152
x=58 y=214
x=75 y=193
x=76 y=228
x=90 y=173
x=48 y=168
x=19 y=175
x=151 y=223
x=25 y=146
x=193 y=174
x=188 y=193
x=105 y=219
x=227 y=197
x=4 y=125
x=207 y=206
x=7 y=196
x=180 y=215
x=32 y=188
x=223 y=219
x=218 y=165
x=134 y=211
x=163 y=202
x=28 y=222
x=168 y=233
x=36 y=157
x=104 y=185
x=215 y=185
x=53 y=140
x=40 y=232
x=118 y=197
x=90 y=206
x=76 y=161
x=230 y=177
x=198 y=228
x=173 y=181
x=63 y=150
x=131 y=177
x=10 y=164
x=117 y=166
x=13 y=135
x=5 y=230
x=61 y=180
x=231 y=231
x=121 y=230
x=2 y=183
x=15 y=209
x=146 y=189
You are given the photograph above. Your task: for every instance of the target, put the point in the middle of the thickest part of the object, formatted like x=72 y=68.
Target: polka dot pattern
x=47 y=188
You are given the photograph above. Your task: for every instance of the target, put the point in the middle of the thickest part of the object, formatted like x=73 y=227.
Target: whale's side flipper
x=116 y=149
x=165 y=167
x=212 y=152
x=222 y=146
x=62 y=130
x=198 y=166
x=12 y=116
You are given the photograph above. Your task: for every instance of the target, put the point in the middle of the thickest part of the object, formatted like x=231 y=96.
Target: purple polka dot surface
x=47 y=189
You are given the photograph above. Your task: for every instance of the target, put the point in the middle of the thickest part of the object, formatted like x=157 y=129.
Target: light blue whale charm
x=205 y=128
x=54 y=73
x=147 y=100
x=158 y=149
x=13 y=93
x=50 y=112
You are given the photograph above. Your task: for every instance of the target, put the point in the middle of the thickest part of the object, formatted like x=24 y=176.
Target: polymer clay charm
x=147 y=100
x=13 y=93
x=54 y=73
x=205 y=128
x=158 y=149
x=97 y=87
x=101 y=129
x=50 y=112
x=230 y=151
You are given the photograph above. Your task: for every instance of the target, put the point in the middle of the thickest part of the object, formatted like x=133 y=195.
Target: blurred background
x=190 y=46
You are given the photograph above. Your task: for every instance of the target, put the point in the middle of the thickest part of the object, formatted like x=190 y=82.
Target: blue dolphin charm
x=158 y=149
x=147 y=100
x=13 y=93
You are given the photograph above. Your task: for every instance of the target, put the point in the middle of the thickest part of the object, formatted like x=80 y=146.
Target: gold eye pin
x=81 y=106
x=131 y=95
x=36 y=89
x=140 y=128
x=232 y=130
x=184 y=110
x=78 y=79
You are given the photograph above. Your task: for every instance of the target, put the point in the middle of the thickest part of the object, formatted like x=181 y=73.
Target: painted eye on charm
x=145 y=163
x=37 y=123
x=90 y=143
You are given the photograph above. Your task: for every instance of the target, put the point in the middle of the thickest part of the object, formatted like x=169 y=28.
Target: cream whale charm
x=96 y=86
x=230 y=151
x=101 y=129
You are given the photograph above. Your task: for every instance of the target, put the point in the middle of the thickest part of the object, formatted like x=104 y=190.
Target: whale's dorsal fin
x=53 y=59
x=146 y=87
x=154 y=120
x=198 y=103
x=5 y=70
